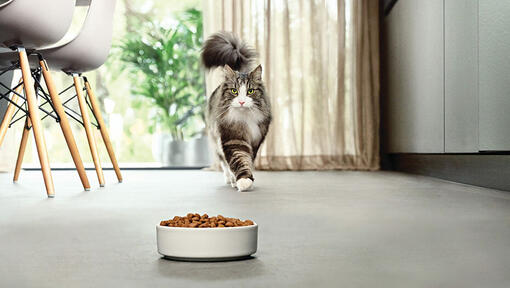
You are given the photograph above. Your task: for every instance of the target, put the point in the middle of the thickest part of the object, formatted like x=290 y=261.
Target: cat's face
x=242 y=91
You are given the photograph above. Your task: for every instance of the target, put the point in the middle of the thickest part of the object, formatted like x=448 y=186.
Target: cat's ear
x=229 y=73
x=256 y=74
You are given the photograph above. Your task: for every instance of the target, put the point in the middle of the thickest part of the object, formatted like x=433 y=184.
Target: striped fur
x=239 y=111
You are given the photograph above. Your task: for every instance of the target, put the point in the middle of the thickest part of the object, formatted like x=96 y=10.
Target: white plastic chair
x=86 y=52
x=29 y=25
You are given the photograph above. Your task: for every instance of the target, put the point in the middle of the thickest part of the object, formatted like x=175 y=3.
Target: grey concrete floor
x=320 y=229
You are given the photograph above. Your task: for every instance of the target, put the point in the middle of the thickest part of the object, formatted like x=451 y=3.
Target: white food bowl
x=207 y=244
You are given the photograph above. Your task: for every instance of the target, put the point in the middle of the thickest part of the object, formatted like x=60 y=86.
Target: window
x=151 y=90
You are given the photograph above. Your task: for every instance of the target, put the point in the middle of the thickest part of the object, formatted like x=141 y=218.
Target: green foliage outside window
x=164 y=67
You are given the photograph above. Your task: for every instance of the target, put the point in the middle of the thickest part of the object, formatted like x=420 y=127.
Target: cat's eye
x=234 y=91
x=250 y=91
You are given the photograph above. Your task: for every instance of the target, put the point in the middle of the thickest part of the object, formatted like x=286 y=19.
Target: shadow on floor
x=211 y=271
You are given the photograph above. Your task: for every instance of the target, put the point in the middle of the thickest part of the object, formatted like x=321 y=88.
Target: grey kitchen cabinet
x=461 y=76
x=494 y=75
x=414 y=60
x=446 y=76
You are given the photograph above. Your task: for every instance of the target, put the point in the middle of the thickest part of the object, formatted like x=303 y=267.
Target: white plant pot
x=175 y=153
x=179 y=153
x=200 y=152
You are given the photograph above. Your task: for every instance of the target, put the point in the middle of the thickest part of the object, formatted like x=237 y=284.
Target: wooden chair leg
x=64 y=125
x=9 y=112
x=102 y=128
x=88 y=130
x=33 y=111
x=22 y=146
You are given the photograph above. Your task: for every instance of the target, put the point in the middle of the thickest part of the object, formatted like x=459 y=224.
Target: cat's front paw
x=244 y=184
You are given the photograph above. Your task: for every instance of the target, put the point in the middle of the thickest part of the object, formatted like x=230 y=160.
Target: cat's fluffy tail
x=226 y=48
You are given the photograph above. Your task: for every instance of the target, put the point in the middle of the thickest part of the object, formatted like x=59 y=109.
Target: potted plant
x=164 y=68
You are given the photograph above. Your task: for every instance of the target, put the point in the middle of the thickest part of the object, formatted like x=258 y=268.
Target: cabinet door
x=461 y=75
x=494 y=75
x=414 y=77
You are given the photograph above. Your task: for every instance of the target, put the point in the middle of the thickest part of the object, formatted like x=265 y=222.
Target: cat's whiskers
x=225 y=109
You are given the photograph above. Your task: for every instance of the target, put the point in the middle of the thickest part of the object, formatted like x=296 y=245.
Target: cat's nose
x=242 y=103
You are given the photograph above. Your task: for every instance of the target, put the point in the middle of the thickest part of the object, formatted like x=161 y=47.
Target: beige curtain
x=320 y=62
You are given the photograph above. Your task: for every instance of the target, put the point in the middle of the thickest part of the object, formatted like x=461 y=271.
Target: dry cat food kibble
x=196 y=221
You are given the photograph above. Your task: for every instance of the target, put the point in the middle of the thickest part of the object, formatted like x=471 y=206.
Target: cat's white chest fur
x=250 y=119
x=253 y=129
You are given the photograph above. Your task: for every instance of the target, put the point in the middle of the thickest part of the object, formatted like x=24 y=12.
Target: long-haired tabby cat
x=239 y=111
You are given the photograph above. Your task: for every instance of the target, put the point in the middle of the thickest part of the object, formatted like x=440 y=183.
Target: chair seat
x=56 y=60
x=87 y=51
x=73 y=58
x=34 y=24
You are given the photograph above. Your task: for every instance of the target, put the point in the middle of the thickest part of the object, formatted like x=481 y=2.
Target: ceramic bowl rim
x=158 y=226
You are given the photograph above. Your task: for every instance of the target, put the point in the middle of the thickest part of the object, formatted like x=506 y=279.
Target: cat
x=239 y=110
